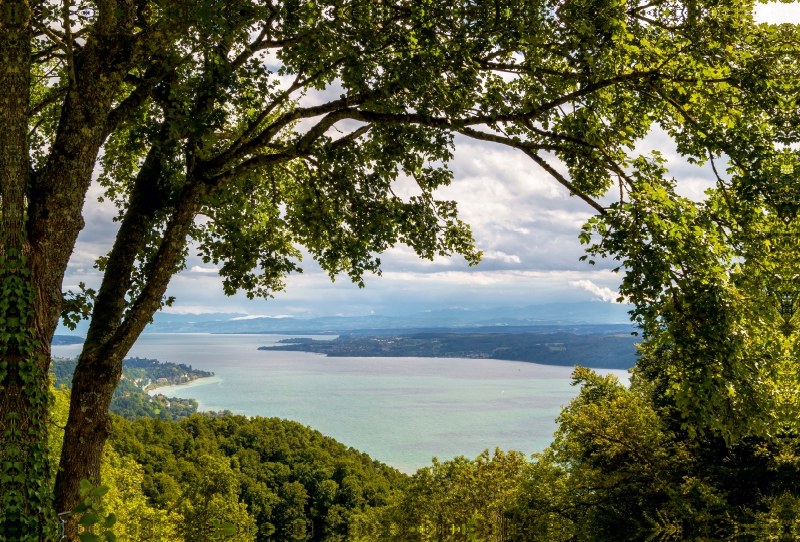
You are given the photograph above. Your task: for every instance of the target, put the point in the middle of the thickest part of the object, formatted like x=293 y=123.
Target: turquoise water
x=402 y=411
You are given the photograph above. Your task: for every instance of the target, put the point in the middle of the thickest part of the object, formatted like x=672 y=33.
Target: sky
x=525 y=223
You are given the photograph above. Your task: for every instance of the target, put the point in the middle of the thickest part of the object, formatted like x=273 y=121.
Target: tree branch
x=526 y=148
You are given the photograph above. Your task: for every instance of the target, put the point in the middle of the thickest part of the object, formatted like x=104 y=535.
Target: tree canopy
x=255 y=129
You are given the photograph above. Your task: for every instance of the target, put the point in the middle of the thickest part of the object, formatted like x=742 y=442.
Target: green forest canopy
x=274 y=479
x=615 y=472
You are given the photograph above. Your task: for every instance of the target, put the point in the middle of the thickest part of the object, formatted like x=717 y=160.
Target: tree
x=460 y=499
x=705 y=441
x=214 y=497
x=200 y=142
x=616 y=472
x=136 y=520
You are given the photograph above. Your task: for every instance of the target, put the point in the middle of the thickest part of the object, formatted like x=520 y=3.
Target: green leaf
x=88 y=519
x=86 y=487
x=99 y=491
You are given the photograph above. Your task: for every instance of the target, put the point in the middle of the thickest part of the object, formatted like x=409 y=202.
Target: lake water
x=402 y=411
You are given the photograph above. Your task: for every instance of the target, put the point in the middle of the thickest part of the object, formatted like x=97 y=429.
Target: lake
x=401 y=411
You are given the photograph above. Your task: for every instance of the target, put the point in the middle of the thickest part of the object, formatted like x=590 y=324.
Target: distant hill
x=67 y=339
x=601 y=351
x=501 y=319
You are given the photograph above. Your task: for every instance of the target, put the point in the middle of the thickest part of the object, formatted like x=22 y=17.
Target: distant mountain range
x=552 y=314
x=586 y=317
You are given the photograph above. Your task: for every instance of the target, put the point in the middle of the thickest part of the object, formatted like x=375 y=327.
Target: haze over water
x=402 y=411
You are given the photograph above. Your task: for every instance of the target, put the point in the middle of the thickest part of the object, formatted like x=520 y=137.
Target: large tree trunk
x=58 y=191
x=109 y=338
x=42 y=217
x=108 y=311
x=25 y=494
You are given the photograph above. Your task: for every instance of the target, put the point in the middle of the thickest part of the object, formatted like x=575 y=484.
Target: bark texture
x=100 y=364
x=24 y=511
x=110 y=337
x=91 y=111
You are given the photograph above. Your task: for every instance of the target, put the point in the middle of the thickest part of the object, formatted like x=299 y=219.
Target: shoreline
x=204 y=381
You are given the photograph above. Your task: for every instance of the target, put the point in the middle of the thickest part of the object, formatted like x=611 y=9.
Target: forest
x=276 y=480
x=272 y=479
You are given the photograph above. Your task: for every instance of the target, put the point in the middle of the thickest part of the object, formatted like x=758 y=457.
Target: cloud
x=198 y=269
x=526 y=224
x=606 y=294
x=497 y=255
x=777 y=13
x=396 y=292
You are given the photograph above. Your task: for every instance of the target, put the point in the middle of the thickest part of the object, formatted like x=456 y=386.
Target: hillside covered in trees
x=276 y=480
x=296 y=483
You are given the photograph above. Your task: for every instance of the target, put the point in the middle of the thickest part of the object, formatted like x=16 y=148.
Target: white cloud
x=502 y=256
x=777 y=13
x=523 y=220
x=198 y=269
x=606 y=294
